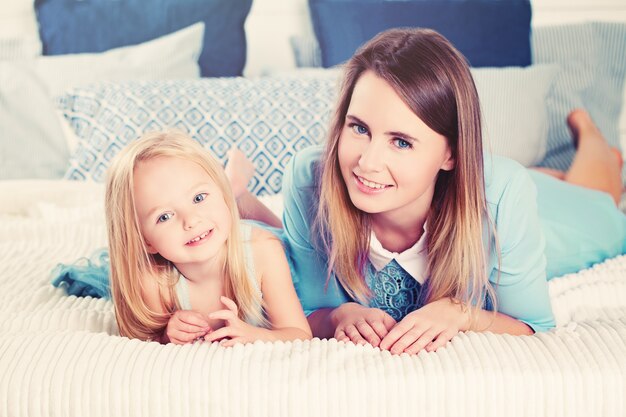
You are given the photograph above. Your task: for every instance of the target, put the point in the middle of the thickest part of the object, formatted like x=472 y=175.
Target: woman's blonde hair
x=435 y=82
x=130 y=261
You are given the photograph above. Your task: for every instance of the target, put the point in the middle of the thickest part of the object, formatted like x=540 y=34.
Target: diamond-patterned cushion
x=269 y=119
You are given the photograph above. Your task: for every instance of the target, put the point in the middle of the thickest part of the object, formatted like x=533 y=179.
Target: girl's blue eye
x=164 y=217
x=358 y=129
x=402 y=144
x=199 y=197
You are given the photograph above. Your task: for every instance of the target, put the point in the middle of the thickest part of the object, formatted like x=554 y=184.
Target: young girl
x=182 y=265
x=402 y=233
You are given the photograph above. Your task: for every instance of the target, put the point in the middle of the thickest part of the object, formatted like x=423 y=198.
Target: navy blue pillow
x=75 y=26
x=490 y=33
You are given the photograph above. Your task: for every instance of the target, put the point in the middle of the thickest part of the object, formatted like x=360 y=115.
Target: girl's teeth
x=371 y=184
x=202 y=236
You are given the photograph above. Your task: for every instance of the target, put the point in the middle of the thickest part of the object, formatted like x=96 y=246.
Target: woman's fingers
x=441 y=340
x=354 y=335
x=421 y=342
x=366 y=330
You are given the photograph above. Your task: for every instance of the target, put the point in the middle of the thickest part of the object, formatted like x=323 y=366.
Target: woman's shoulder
x=504 y=175
x=302 y=169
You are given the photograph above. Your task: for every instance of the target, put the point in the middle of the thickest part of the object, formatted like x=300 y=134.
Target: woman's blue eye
x=358 y=129
x=402 y=144
x=164 y=217
x=199 y=197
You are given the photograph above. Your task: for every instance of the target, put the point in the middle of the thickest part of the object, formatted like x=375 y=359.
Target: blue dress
x=545 y=228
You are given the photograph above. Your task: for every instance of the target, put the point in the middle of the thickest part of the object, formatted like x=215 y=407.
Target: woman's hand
x=359 y=324
x=185 y=326
x=235 y=330
x=430 y=327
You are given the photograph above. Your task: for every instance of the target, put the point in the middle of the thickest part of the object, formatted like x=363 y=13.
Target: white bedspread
x=61 y=356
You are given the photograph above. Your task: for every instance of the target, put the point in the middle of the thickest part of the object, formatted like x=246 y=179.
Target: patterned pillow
x=269 y=119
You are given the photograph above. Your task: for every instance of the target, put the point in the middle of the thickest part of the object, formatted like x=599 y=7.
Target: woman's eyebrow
x=356 y=120
x=400 y=135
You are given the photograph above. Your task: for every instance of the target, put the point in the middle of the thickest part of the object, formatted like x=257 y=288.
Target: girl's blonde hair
x=130 y=261
x=435 y=82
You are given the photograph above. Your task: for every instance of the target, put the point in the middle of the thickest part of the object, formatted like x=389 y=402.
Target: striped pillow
x=592 y=58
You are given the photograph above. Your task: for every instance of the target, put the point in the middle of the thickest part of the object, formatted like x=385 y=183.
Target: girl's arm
x=184 y=326
x=280 y=299
x=281 y=303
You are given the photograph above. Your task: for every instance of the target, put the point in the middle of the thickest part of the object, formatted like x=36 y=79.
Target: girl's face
x=389 y=158
x=181 y=210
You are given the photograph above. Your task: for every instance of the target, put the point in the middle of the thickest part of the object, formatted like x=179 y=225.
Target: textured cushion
x=268 y=119
x=71 y=26
x=488 y=32
x=592 y=58
x=32 y=144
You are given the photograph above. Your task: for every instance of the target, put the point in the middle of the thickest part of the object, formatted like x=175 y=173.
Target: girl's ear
x=151 y=250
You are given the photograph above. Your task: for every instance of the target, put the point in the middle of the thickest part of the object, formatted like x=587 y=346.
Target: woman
x=402 y=233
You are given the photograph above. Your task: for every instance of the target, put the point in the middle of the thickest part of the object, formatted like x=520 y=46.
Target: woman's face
x=389 y=158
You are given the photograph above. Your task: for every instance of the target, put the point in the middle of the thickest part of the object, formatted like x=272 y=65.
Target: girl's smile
x=198 y=240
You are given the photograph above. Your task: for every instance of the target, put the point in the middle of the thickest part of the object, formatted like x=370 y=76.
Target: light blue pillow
x=269 y=119
x=592 y=57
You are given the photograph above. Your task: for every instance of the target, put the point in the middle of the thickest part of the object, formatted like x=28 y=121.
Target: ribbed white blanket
x=61 y=356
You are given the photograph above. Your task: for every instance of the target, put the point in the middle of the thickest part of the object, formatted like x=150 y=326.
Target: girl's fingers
x=230 y=304
x=192 y=318
x=227 y=315
x=232 y=342
x=218 y=334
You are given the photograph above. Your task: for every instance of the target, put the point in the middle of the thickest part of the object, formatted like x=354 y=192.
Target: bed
x=62 y=355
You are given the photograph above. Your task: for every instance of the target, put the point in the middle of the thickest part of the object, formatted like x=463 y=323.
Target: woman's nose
x=372 y=157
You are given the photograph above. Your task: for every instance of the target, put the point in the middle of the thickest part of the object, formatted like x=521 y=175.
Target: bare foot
x=618 y=156
x=239 y=171
x=581 y=125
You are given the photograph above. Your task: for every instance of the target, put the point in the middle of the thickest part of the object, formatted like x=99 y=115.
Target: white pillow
x=19 y=31
x=171 y=56
x=33 y=143
x=515 y=115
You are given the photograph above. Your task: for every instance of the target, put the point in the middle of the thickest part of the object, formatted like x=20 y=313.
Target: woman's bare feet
x=596 y=164
x=239 y=171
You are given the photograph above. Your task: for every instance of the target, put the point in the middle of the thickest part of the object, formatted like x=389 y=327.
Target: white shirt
x=414 y=260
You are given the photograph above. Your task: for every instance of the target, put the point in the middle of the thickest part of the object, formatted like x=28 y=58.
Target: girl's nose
x=372 y=157
x=190 y=222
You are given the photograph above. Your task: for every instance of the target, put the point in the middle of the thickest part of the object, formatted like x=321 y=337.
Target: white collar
x=414 y=260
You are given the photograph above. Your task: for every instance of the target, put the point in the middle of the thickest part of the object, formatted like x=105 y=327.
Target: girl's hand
x=235 y=329
x=430 y=327
x=360 y=324
x=185 y=326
